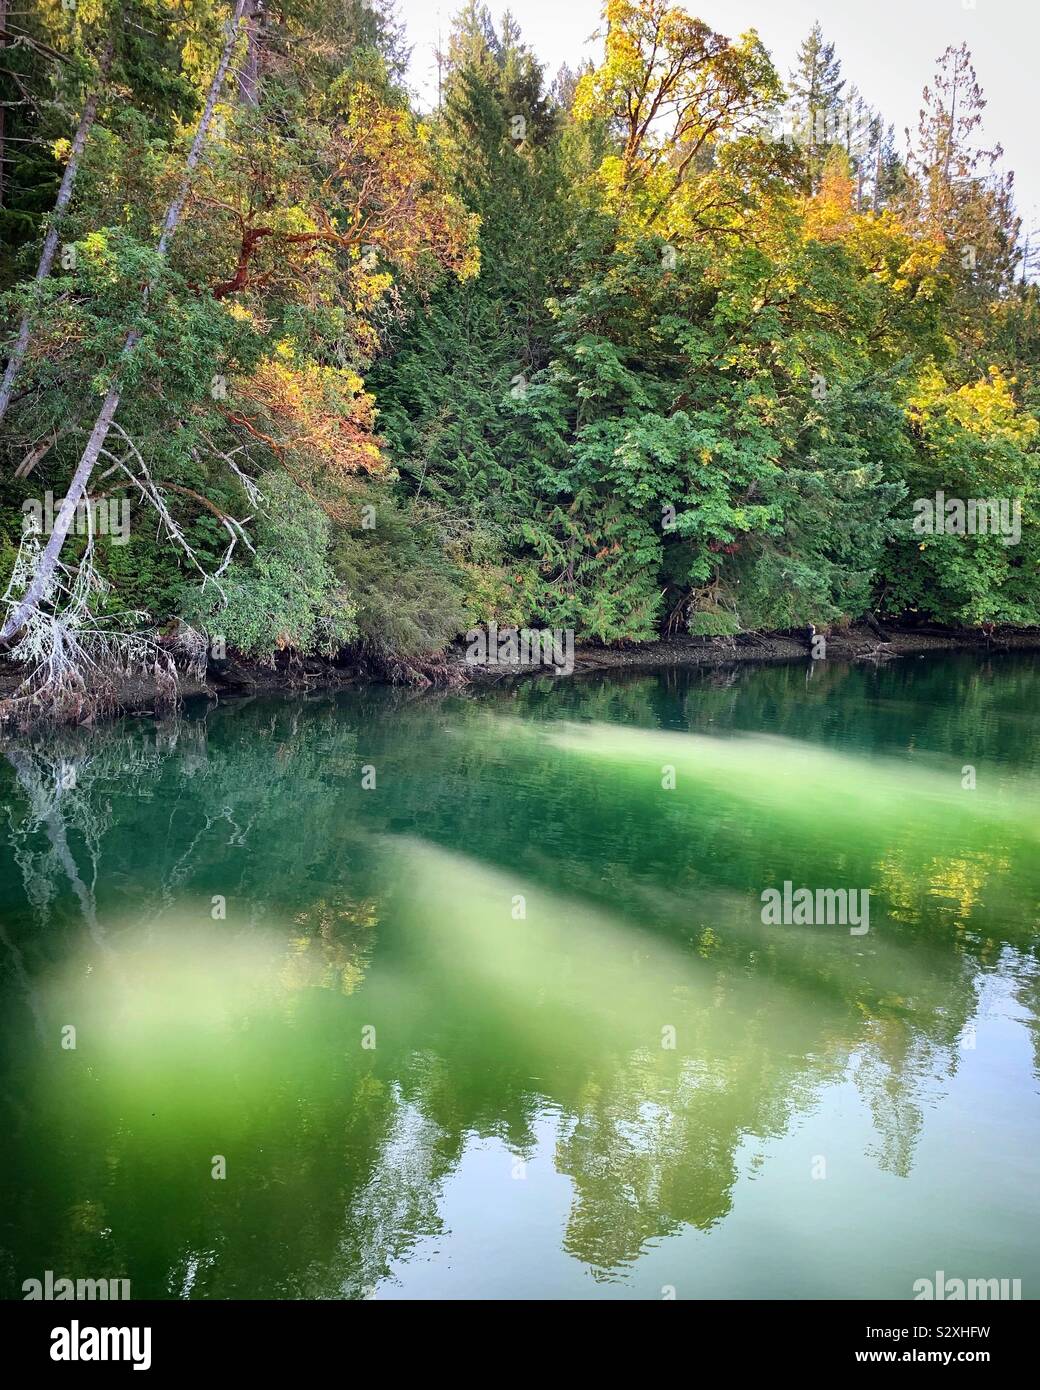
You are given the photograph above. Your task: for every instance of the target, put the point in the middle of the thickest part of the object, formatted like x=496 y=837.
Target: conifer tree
x=816 y=85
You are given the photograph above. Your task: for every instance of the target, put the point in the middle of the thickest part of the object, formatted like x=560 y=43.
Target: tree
x=319 y=202
x=954 y=194
x=50 y=243
x=816 y=85
x=454 y=379
x=41 y=580
x=677 y=96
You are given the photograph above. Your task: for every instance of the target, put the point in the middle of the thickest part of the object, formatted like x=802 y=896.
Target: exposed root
x=418 y=672
x=75 y=660
x=191 y=648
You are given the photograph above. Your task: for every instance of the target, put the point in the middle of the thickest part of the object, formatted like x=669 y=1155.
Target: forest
x=672 y=344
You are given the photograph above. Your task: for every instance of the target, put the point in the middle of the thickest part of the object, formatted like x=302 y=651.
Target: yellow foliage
x=322 y=414
x=985 y=407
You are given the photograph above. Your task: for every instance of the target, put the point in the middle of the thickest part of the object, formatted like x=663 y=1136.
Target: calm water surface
x=507 y=1023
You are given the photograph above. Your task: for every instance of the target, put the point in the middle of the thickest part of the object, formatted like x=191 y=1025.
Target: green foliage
x=602 y=355
x=714 y=624
x=709 y=428
x=972 y=444
x=409 y=598
x=287 y=598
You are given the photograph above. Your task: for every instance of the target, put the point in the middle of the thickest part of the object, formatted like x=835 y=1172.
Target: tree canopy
x=659 y=345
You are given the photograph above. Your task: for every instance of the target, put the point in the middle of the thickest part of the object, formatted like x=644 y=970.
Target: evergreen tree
x=815 y=86
x=957 y=197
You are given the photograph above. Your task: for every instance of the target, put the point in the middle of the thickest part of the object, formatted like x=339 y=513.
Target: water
x=508 y=1023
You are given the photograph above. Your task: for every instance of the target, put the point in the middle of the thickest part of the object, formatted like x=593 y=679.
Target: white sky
x=888 y=49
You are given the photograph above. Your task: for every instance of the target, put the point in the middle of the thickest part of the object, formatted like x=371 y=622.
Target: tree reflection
x=348 y=910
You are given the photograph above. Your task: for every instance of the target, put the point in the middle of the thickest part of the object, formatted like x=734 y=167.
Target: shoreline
x=239 y=678
x=857 y=643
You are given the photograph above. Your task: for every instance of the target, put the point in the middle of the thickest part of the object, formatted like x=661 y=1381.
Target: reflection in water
x=510 y=1023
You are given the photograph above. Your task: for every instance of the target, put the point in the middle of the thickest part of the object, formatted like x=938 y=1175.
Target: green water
x=508 y=1023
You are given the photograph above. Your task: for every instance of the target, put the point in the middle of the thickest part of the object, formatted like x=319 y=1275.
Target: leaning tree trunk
x=249 y=75
x=48 y=560
x=3 y=108
x=50 y=244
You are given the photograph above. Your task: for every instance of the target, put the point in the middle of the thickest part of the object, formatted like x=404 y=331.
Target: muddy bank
x=222 y=681
x=237 y=678
x=858 y=643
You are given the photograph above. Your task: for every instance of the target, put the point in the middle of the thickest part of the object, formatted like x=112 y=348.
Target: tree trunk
x=249 y=74
x=3 y=109
x=50 y=244
x=49 y=559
